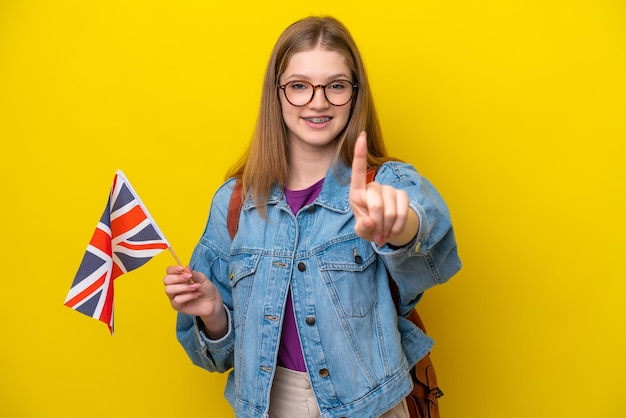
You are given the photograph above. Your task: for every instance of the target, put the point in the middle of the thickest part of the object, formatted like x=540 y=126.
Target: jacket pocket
x=348 y=271
x=241 y=280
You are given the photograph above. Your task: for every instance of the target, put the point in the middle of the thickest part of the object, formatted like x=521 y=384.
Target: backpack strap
x=234 y=209
x=371 y=173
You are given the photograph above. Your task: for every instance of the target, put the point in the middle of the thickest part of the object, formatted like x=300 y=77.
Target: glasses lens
x=298 y=93
x=339 y=92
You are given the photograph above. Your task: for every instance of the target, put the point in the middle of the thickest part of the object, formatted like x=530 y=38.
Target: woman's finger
x=402 y=212
x=389 y=211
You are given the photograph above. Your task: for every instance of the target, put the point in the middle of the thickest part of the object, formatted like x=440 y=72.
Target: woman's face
x=317 y=124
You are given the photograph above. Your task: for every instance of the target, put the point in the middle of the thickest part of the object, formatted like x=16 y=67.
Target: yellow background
x=514 y=109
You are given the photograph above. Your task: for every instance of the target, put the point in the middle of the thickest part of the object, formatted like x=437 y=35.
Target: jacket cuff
x=213 y=345
x=412 y=247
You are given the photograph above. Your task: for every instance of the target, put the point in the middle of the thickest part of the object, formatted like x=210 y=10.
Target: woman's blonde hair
x=265 y=161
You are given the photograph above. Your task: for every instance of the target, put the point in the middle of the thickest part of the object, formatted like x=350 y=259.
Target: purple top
x=290 y=350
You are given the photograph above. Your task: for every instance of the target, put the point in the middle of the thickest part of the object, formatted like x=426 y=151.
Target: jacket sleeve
x=431 y=258
x=211 y=257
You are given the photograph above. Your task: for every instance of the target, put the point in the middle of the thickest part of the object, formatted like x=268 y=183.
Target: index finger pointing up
x=359 y=165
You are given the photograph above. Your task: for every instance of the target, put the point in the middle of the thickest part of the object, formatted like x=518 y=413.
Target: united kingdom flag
x=126 y=238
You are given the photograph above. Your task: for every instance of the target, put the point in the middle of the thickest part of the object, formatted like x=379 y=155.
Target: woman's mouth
x=318 y=120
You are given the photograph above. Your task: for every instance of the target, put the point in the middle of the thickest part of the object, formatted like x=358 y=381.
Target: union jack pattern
x=126 y=238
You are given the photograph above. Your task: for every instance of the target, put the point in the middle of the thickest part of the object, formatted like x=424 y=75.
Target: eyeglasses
x=300 y=93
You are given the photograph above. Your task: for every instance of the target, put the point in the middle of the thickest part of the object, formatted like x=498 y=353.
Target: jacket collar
x=334 y=195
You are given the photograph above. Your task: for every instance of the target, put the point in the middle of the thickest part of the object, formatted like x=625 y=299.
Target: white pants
x=292 y=397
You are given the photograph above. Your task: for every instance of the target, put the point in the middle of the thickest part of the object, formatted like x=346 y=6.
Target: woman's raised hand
x=382 y=212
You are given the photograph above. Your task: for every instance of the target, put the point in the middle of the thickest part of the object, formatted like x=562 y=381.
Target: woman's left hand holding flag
x=192 y=293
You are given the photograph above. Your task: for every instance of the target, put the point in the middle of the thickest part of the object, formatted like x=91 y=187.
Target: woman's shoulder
x=225 y=190
x=394 y=170
x=222 y=195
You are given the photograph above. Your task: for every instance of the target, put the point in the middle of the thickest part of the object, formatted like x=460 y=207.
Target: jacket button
x=311 y=209
x=301 y=266
x=323 y=372
x=310 y=320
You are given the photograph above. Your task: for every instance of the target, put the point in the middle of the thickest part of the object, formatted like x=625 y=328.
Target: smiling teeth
x=319 y=120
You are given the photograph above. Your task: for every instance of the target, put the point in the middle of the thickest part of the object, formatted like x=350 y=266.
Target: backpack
x=423 y=401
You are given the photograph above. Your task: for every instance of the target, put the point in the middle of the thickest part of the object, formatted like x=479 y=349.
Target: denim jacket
x=357 y=349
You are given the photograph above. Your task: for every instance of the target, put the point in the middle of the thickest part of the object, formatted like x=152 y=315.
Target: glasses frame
x=317 y=86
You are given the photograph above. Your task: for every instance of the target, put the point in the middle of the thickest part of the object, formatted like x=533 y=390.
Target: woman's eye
x=299 y=86
x=337 y=85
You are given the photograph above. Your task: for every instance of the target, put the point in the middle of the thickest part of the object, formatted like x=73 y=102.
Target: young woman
x=298 y=304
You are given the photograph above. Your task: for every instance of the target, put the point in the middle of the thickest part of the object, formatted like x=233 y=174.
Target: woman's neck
x=307 y=168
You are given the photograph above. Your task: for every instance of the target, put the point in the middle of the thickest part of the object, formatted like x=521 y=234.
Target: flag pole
x=175 y=256
x=179 y=263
